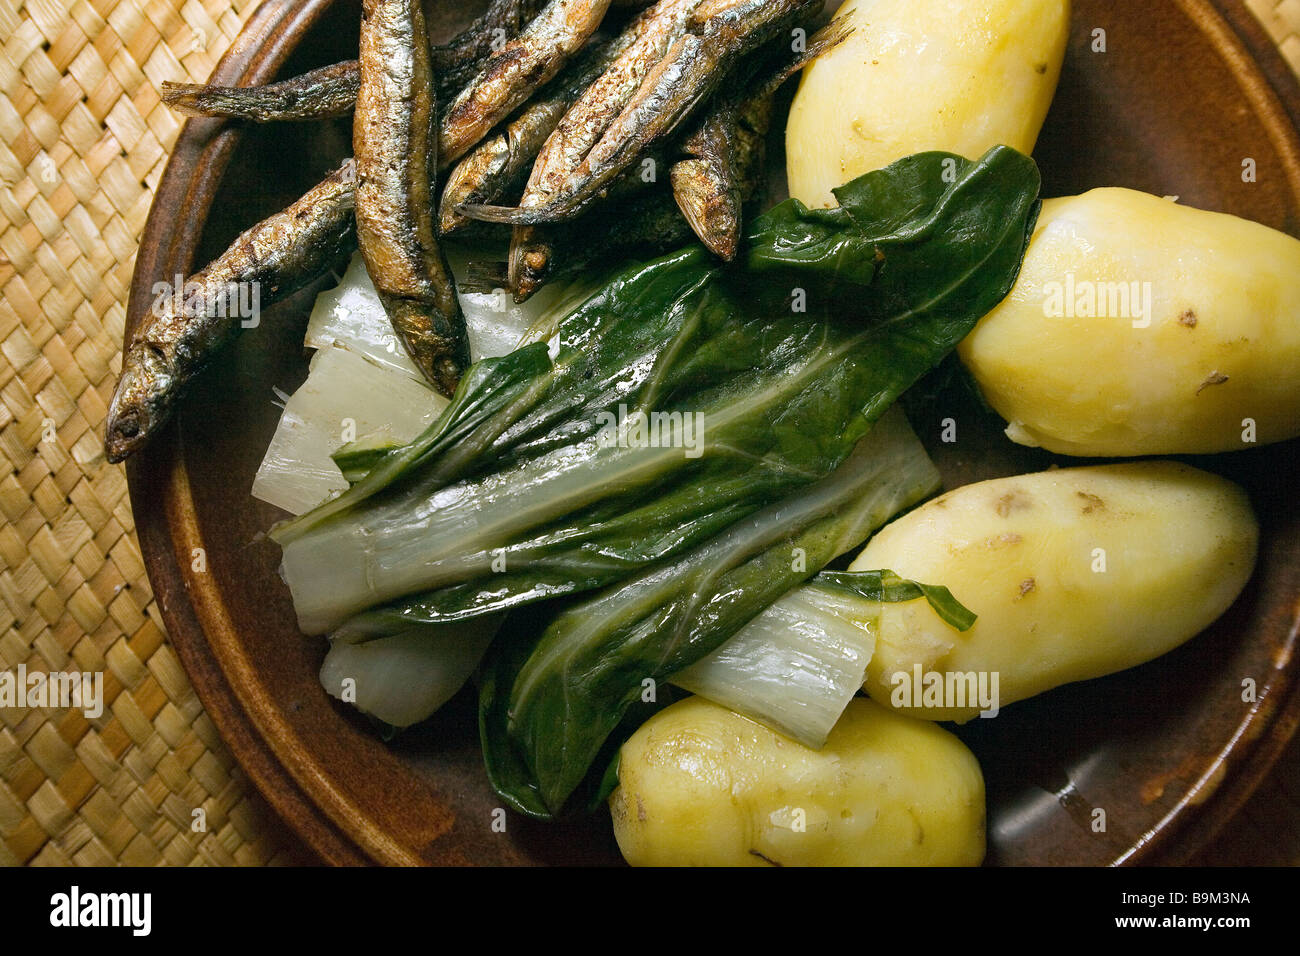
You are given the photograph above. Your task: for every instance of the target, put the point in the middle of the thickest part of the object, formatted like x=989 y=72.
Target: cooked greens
x=601 y=654
x=401 y=679
x=796 y=666
x=516 y=493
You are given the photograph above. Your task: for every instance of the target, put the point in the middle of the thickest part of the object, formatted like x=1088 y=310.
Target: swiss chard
x=593 y=661
x=783 y=364
x=796 y=666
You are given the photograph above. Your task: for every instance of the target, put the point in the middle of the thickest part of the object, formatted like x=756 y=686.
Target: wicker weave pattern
x=1281 y=18
x=83 y=142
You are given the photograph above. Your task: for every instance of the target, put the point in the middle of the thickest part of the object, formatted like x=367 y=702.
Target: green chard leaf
x=357 y=459
x=506 y=770
x=764 y=376
x=489 y=396
x=887 y=587
x=593 y=661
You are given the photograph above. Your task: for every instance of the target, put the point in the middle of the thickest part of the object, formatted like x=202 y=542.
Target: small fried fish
x=691 y=70
x=512 y=74
x=704 y=184
x=730 y=139
x=331 y=91
x=274 y=258
x=531 y=247
x=644 y=42
x=500 y=160
x=321 y=94
x=395 y=143
x=457 y=62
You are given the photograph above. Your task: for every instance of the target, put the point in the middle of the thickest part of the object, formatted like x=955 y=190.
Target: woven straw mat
x=83 y=142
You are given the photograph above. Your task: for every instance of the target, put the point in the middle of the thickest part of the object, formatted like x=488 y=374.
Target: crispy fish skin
x=502 y=19
x=395 y=142
x=753 y=120
x=645 y=41
x=642 y=43
x=690 y=71
x=512 y=74
x=320 y=94
x=498 y=161
x=704 y=184
x=722 y=170
x=640 y=220
x=646 y=225
x=277 y=257
x=331 y=91
x=457 y=62
x=528 y=264
x=729 y=144
x=486 y=170
x=531 y=247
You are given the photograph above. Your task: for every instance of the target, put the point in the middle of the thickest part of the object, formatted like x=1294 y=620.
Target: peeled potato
x=918 y=75
x=1139 y=326
x=1074 y=573
x=699 y=785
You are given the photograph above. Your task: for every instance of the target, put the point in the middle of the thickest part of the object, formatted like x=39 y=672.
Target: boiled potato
x=1073 y=573
x=1139 y=326
x=918 y=75
x=701 y=785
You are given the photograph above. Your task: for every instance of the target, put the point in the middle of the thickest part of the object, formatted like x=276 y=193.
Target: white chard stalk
x=403 y=678
x=795 y=667
x=362 y=384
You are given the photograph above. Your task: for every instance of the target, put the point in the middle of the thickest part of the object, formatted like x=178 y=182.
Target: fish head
x=529 y=263
x=141 y=402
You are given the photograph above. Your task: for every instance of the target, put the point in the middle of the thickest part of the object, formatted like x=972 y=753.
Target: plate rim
x=157 y=478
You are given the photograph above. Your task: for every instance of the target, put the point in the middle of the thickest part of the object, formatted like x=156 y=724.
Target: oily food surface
x=511 y=75
x=319 y=94
x=276 y=257
x=396 y=155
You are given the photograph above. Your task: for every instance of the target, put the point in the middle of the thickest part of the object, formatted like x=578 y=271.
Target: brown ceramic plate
x=1186 y=90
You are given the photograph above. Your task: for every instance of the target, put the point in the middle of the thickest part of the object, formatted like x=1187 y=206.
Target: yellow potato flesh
x=700 y=785
x=1212 y=365
x=1073 y=573
x=918 y=75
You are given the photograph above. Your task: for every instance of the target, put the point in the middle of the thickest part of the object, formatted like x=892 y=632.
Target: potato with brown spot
x=1141 y=326
x=1009 y=502
x=1091 y=502
x=1104 y=568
